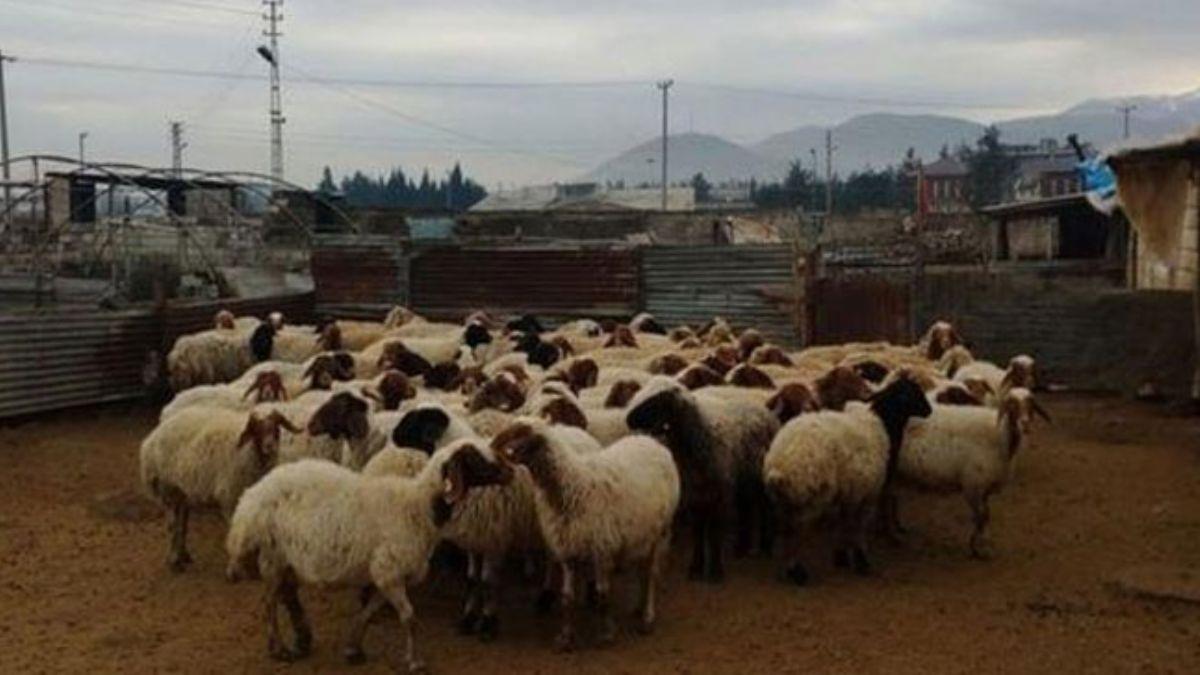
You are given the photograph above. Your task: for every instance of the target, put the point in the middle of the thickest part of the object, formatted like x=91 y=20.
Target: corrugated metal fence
x=747 y=285
x=359 y=276
x=553 y=282
x=63 y=359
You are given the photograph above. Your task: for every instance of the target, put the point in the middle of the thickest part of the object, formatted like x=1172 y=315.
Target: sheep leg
x=353 y=652
x=744 y=508
x=982 y=515
x=889 y=517
x=716 y=541
x=469 y=621
x=271 y=600
x=566 y=635
x=766 y=523
x=489 y=623
x=397 y=594
x=179 y=559
x=792 y=530
x=603 y=581
x=696 y=569
x=654 y=561
x=859 y=524
x=300 y=626
x=546 y=597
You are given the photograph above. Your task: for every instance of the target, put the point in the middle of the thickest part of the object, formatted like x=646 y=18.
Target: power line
x=196 y=4
x=92 y=11
x=855 y=100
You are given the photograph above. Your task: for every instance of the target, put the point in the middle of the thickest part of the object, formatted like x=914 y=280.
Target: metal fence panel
x=360 y=276
x=750 y=286
x=553 y=282
x=62 y=359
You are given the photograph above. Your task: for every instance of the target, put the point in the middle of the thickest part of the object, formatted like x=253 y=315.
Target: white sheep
x=969 y=450
x=317 y=523
x=833 y=464
x=1020 y=373
x=606 y=508
x=206 y=457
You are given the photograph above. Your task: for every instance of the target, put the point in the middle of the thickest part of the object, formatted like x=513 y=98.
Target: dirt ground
x=1111 y=486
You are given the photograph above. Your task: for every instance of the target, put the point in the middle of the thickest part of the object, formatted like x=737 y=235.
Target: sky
x=530 y=91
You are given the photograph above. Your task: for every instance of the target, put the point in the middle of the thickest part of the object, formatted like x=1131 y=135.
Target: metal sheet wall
x=747 y=285
x=62 y=359
x=359 y=275
x=553 y=282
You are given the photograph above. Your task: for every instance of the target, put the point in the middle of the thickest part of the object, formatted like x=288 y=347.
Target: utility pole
x=82 y=137
x=271 y=54
x=177 y=146
x=829 y=148
x=1125 y=110
x=6 y=175
x=665 y=86
x=815 y=173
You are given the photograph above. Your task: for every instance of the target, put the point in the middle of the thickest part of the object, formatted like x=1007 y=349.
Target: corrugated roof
x=946 y=167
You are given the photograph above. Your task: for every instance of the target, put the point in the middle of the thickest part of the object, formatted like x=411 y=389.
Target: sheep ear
x=453 y=486
x=373 y=395
x=283 y=422
x=250 y=432
x=254 y=387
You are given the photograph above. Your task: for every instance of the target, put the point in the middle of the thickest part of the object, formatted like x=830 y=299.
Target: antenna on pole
x=177 y=146
x=270 y=54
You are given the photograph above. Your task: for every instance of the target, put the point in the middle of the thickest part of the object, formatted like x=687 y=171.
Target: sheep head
x=262 y=434
x=468 y=466
x=748 y=376
x=667 y=364
x=267 y=386
x=396 y=355
x=840 y=386
x=770 y=355
x=621 y=393
x=502 y=392
x=748 y=341
x=343 y=417
x=560 y=410
x=395 y=388
x=792 y=400
x=224 y=320
x=421 y=428
x=698 y=376
x=621 y=336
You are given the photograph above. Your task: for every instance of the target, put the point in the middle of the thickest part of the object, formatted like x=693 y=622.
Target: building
x=1062 y=227
x=1044 y=170
x=946 y=186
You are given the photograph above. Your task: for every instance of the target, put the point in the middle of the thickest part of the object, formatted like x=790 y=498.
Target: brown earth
x=1112 y=486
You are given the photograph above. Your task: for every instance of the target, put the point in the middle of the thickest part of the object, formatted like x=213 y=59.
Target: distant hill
x=688 y=154
x=876 y=140
x=881 y=139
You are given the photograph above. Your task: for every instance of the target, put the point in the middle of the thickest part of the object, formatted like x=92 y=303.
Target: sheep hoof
x=178 y=562
x=545 y=601
x=283 y=654
x=565 y=642
x=489 y=628
x=468 y=624
x=862 y=566
x=841 y=558
x=797 y=574
x=416 y=666
x=982 y=552
x=354 y=656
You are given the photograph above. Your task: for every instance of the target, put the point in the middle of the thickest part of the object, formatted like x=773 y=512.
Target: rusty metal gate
x=860 y=308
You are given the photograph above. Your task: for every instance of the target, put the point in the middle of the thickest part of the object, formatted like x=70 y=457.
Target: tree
x=702 y=187
x=327 y=186
x=990 y=170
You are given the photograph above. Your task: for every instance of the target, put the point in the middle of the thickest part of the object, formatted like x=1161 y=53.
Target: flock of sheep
x=345 y=454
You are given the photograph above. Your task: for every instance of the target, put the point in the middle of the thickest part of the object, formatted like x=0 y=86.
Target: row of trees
x=991 y=171
x=395 y=189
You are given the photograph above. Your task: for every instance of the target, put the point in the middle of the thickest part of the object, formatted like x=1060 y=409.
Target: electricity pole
x=271 y=54
x=177 y=146
x=1125 y=110
x=829 y=148
x=815 y=173
x=6 y=175
x=82 y=137
x=665 y=86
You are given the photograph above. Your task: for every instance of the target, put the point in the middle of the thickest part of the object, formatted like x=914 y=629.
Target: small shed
x=1064 y=227
x=1159 y=188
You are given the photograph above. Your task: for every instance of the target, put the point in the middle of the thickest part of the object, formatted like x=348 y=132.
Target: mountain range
x=879 y=140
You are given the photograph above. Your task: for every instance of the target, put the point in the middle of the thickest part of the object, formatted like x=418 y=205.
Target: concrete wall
x=1178 y=274
x=1086 y=332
